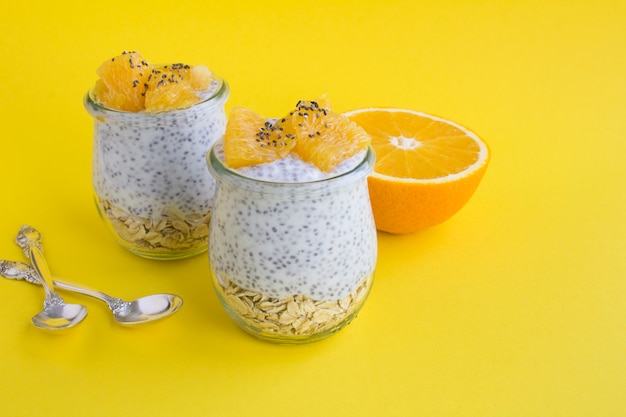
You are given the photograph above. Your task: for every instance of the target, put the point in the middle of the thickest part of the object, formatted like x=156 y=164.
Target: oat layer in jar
x=292 y=256
x=152 y=188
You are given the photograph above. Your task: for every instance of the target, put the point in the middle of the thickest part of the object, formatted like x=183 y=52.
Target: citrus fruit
x=122 y=82
x=312 y=131
x=426 y=170
x=323 y=137
x=250 y=139
x=129 y=83
x=175 y=86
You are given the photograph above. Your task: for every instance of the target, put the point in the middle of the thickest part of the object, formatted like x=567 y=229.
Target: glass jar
x=292 y=262
x=152 y=188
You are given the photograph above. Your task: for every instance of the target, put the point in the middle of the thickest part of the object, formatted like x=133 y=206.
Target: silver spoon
x=56 y=314
x=142 y=310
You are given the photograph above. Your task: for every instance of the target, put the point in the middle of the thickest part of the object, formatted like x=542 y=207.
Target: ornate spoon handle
x=21 y=270
x=29 y=239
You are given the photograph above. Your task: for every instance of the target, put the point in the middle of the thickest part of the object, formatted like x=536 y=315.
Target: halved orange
x=426 y=170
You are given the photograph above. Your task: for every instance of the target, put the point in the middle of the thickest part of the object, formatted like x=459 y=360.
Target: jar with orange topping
x=292 y=242
x=152 y=188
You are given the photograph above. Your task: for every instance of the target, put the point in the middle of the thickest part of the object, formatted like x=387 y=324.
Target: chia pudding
x=149 y=172
x=292 y=249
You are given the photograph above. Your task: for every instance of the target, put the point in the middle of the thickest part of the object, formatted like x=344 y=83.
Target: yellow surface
x=514 y=307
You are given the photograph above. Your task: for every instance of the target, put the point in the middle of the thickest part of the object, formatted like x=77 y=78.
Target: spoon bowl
x=56 y=314
x=59 y=317
x=149 y=308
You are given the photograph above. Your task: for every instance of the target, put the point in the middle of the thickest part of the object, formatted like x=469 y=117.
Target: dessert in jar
x=153 y=126
x=292 y=242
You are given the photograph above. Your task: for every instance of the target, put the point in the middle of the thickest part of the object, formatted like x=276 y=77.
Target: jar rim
x=96 y=109
x=221 y=172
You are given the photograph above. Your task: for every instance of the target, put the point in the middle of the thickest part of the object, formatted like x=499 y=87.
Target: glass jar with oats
x=292 y=243
x=153 y=126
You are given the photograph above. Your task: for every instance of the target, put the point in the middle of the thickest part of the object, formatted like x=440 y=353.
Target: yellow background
x=514 y=307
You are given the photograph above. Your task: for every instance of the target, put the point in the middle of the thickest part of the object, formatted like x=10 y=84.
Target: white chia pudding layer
x=146 y=164
x=286 y=228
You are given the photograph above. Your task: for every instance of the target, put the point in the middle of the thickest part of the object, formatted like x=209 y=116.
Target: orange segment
x=312 y=131
x=323 y=137
x=175 y=86
x=427 y=168
x=200 y=77
x=122 y=82
x=250 y=139
x=129 y=83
